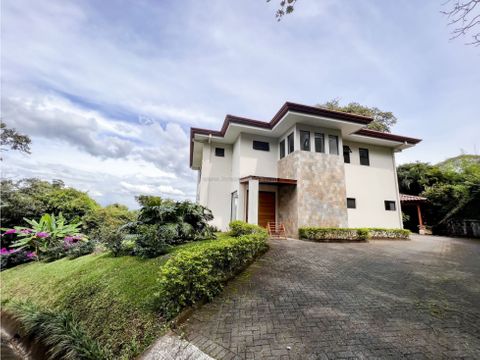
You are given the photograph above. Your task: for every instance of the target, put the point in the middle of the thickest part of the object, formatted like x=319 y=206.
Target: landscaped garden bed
x=351 y=234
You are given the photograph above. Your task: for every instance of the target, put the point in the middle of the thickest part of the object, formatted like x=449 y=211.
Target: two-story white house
x=308 y=166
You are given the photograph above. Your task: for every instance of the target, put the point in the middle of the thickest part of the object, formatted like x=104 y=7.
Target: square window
x=291 y=145
x=219 y=152
x=364 y=157
x=351 y=203
x=319 y=142
x=305 y=140
x=261 y=145
x=333 y=144
x=282 y=149
x=390 y=205
x=346 y=154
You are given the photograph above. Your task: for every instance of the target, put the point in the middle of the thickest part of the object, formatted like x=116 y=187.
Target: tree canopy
x=11 y=139
x=382 y=120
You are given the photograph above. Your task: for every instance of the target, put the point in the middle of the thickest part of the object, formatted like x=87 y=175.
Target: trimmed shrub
x=240 y=228
x=59 y=332
x=351 y=234
x=199 y=272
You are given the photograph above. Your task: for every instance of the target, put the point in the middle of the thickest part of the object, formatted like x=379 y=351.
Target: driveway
x=417 y=299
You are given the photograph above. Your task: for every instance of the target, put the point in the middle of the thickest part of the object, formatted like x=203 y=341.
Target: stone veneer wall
x=319 y=199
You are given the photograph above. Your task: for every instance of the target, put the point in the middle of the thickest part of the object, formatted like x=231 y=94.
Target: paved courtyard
x=416 y=299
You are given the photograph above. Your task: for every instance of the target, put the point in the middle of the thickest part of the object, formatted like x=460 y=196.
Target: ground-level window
x=351 y=203
x=346 y=154
x=282 y=149
x=319 y=142
x=291 y=144
x=219 y=152
x=390 y=205
x=233 y=205
x=333 y=144
x=364 y=157
x=261 y=145
x=305 y=140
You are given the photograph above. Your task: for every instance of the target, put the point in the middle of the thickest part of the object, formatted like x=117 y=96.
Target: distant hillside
x=455 y=162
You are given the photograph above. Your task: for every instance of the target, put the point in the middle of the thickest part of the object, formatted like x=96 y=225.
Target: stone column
x=253 y=188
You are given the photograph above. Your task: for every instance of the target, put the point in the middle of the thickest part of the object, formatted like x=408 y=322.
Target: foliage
x=285 y=7
x=151 y=240
x=14 y=140
x=240 y=228
x=382 y=120
x=31 y=198
x=149 y=200
x=199 y=272
x=14 y=257
x=59 y=332
x=351 y=234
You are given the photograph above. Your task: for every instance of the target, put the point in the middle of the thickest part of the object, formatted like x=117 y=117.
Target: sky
x=108 y=90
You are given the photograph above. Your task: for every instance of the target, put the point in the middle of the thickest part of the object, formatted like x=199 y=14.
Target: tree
x=464 y=16
x=13 y=140
x=382 y=120
x=286 y=7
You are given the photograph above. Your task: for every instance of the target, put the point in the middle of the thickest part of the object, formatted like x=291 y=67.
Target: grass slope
x=110 y=296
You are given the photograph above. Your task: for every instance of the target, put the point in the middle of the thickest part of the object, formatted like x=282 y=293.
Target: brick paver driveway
x=416 y=299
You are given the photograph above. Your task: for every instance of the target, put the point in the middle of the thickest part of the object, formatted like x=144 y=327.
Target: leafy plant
x=14 y=257
x=150 y=240
x=240 y=228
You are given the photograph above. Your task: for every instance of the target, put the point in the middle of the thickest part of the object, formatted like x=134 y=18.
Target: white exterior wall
x=257 y=162
x=370 y=186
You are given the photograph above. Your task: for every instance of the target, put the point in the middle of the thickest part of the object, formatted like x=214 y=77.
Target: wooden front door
x=266 y=207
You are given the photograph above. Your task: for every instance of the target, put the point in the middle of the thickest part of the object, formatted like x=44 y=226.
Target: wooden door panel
x=266 y=208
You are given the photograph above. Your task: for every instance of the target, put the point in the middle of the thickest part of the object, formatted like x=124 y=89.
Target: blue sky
x=108 y=89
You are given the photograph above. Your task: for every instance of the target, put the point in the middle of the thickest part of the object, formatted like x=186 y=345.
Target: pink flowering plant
x=49 y=232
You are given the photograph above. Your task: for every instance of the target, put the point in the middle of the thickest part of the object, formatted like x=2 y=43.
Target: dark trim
x=288 y=106
x=387 y=136
x=268 y=180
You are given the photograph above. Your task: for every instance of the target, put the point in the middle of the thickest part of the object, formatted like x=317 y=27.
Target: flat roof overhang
x=268 y=180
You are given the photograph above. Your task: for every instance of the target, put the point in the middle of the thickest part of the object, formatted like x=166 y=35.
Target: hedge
x=351 y=234
x=199 y=272
x=239 y=228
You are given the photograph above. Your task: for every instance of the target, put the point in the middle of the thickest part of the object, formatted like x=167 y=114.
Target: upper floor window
x=319 y=142
x=364 y=158
x=219 y=152
x=305 y=140
x=282 y=149
x=333 y=144
x=261 y=145
x=390 y=205
x=351 y=203
x=346 y=154
x=291 y=144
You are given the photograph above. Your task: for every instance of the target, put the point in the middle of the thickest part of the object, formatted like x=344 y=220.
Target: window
x=305 y=140
x=333 y=144
x=351 y=203
x=282 y=149
x=219 y=152
x=346 y=154
x=291 y=145
x=364 y=159
x=261 y=145
x=233 y=206
x=319 y=142
x=390 y=205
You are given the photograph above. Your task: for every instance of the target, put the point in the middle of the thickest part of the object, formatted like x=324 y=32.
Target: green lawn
x=110 y=296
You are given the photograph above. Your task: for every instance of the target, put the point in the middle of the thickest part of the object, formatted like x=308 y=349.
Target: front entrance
x=266 y=208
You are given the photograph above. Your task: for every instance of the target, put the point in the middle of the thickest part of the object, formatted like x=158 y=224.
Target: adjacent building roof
x=404 y=198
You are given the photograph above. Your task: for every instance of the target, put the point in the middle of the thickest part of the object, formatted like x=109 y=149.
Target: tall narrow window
x=305 y=140
x=282 y=149
x=364 y=158
x=346 y=154
x=219 y=152
x=234 y=204
x=333 y=144
x=319 y=142
x=291 y=145
x=390 y=205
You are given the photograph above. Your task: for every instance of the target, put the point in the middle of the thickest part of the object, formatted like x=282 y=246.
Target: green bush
x=151 y=240
x=240 y=228
x=351 y=234
x=199 y=272
x=59 y=332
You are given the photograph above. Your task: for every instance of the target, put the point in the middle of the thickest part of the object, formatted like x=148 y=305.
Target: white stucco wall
x=371 y=186
x=257 y=162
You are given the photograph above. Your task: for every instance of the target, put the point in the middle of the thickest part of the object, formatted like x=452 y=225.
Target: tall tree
x=11 y=139
x=382 y=120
